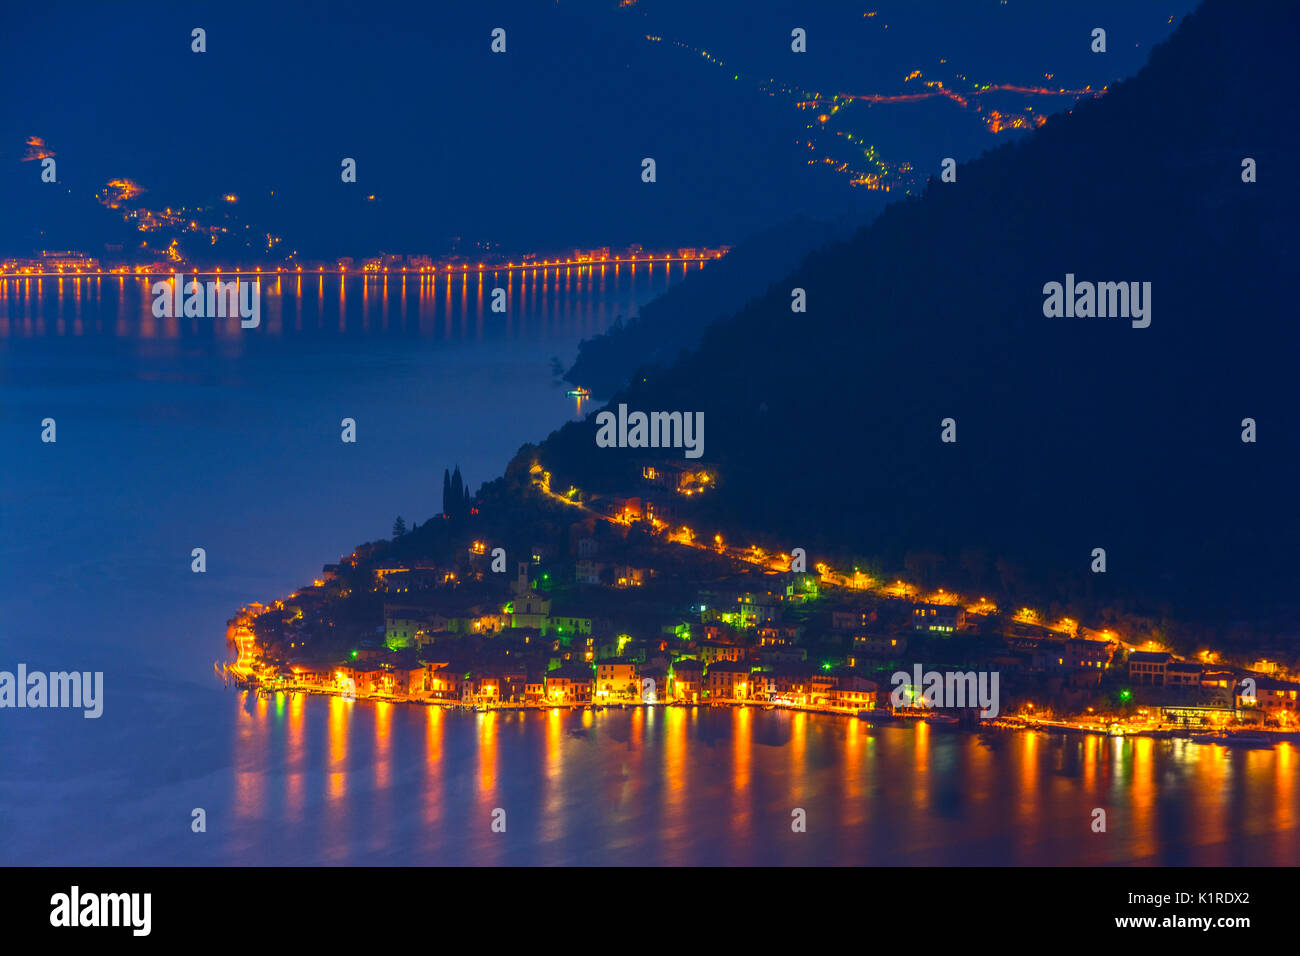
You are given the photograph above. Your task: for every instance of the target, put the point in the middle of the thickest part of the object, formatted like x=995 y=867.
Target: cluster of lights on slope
x=781 y=562
x=849 y=154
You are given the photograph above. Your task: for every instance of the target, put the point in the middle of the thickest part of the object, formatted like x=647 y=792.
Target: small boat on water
x=578 y=393
x=942 y=720
x=864 y=715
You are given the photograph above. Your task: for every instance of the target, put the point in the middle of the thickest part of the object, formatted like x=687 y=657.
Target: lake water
x=313 y=780
x=182 y=433
x=175 y=434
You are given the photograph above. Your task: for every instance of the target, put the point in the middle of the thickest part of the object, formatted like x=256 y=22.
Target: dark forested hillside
x=676 y=320
x=1072 y=433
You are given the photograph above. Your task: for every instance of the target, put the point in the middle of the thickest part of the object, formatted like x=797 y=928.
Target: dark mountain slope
x=676 y=320
x=1073 y=433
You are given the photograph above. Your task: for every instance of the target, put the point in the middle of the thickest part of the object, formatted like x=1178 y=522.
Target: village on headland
x=531 y=597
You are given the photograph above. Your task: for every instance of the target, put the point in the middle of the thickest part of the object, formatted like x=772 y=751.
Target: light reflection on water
x=543 y=304
x=360 y=782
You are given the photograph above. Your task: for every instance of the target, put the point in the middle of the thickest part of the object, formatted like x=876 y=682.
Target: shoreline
x=1251 y=736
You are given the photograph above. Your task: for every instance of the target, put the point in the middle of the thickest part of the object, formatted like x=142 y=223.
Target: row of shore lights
x=546 y=263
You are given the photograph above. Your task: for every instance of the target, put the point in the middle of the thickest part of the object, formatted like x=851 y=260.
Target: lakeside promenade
x=936 y=719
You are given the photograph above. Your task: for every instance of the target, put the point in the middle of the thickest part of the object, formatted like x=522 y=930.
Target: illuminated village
x=216 y=236
x=533 y=596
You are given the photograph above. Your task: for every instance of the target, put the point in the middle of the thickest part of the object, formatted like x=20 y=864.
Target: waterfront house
x=727 y=680
x=432 y=662
x=820 y=687
x=792 y=683
x=687 y=680
x=446 y=684
x=616 y=679
x=570 y=684
x=534 y=689
x=408 y=679
x=512 y=686
x=367 y=677
x=854 y=692
x=486 y=688
x=656 y=691
x=313 y=674
x=762 y=685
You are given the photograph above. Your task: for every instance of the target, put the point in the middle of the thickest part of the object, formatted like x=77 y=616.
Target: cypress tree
x=457 y=493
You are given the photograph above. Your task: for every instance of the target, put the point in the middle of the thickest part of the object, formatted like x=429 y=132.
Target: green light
x=1125 y=694
x=354 y=655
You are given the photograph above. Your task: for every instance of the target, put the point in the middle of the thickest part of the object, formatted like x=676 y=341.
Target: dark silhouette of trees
x=456 y=501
